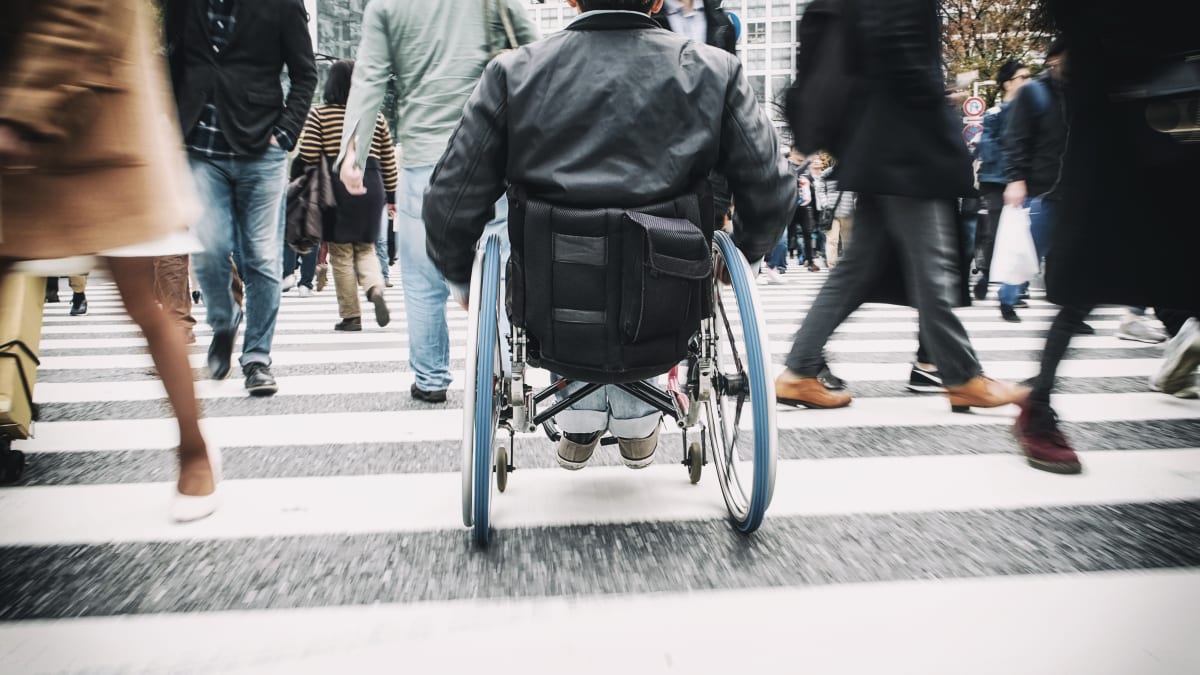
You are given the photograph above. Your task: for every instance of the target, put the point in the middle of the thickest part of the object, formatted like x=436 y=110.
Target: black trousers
x=985 y=235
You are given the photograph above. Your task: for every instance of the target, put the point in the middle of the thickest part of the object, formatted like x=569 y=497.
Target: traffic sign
x=974 y=106
x=972 y=132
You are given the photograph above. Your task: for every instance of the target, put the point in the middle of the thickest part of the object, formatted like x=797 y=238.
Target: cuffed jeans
x=425 y=289
x=608 y=408
x=241 y=199
x=922 y=234
x=1041 y=224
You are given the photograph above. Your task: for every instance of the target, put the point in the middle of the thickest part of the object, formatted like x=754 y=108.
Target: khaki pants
x=347 y=259
x=172 y=290
x=78 y=283
x=838 y=234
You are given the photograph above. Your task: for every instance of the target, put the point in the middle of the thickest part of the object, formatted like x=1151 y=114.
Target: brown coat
x=82 y=77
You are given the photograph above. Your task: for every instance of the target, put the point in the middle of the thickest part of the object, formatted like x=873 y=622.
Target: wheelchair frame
x=508 y=403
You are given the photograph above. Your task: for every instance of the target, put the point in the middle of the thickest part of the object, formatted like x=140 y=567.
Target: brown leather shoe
x=791 y=389
x=984 y=392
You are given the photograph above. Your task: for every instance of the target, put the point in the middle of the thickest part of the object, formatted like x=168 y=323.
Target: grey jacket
x=437 y=50
x=614 y=111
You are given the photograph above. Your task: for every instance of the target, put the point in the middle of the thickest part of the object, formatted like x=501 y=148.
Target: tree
x=983 y=34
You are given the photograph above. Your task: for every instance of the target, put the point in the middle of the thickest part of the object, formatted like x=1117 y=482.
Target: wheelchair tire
x=501 y=469
x=481 y=393
x=695 y=462
x=752 y=378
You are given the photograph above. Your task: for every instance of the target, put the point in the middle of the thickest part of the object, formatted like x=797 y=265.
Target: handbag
x=510 y=34
x=1014 y=258
x=825 y=220
x=309 y=196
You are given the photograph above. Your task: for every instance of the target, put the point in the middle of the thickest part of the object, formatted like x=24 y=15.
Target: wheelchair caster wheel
x=12 y=466
x=695 y=462
x=501 y=469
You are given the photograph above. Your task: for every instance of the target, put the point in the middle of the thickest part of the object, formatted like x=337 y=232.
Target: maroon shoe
x=1045 y=447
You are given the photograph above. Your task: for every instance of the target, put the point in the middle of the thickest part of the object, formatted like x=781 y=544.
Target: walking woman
x=352 y=230
x=91 y=164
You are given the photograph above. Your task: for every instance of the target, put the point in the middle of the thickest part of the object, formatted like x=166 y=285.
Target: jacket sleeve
x=763 y=188
x=372 y=68
x=469 y=178
x=45 y=88
x=387 y=158
x=1018 y=136
x=902 y=43
x=302 y=69
x=524 y=27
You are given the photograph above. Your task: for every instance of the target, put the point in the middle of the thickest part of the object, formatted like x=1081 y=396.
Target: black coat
x=244 y=79
x=904 y=139
x=644 y=117
x=1128 y=232
x=1035 y=137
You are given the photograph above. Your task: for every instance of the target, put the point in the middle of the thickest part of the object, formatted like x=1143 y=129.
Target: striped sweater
x=323 y=134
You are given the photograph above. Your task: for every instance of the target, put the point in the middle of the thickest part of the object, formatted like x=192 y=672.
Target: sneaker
x=259 y=380
x=304 y=292
x=288 y=283
x=832 y=382
x=1139 y=329
x=574 y=450
x=772 y=276
x=350 y=325
x=435 y=396
x=1044 y=445
x=638 y=453
x=79 y=304
x=1009 y=314
x=1181 y=356
x=925 y=381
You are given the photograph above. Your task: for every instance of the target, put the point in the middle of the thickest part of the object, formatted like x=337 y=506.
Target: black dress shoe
x=352 y=324
x=981 y=288
x=78 y=304
x=195 y=297
x=832 y=382
x=1009 y=314
x=220 y=351
x=1084 y=329
x=436 y=396
x=259 y=381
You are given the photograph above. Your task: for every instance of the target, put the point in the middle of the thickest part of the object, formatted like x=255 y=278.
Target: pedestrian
x=227 y=58
x=353 y=228
x=908 y=164
x=992 y=164
x=436 y=67
x=580 y=153
x=91 y=165
x=842 y=221
x=1110 y=99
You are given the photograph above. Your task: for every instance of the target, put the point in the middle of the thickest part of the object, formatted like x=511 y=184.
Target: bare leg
x=135 y=281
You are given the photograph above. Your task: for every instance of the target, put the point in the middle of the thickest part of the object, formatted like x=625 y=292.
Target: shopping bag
x=21 y=300
x=1014 y=258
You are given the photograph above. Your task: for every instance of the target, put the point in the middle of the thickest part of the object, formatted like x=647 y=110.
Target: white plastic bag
x=1014 y=258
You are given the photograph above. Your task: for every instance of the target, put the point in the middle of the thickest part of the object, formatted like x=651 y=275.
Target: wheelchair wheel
x=744 y=459
x=482 y=390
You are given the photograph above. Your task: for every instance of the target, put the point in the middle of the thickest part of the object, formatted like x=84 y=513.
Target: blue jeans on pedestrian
x=425 y=289
x=241 y=200
x=381 y=247
x=1041 y=224
x=777 y=260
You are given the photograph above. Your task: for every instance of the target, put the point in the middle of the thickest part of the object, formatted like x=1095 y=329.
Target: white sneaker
x=288 y=283
x=773 y=276
x=304 y=292
x=1139 y=329
x=1181 y=358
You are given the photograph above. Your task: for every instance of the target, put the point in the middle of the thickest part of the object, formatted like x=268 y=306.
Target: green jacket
x=437 y=50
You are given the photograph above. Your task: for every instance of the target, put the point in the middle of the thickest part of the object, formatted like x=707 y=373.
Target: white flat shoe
x=186 y=508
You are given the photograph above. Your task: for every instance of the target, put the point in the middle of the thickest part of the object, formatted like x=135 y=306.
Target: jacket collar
x=612 y=21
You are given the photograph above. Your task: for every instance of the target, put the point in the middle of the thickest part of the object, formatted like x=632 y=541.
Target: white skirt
x=178 y=243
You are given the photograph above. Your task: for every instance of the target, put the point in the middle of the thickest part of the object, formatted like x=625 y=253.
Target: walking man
x=226 y=60
x=445 y=48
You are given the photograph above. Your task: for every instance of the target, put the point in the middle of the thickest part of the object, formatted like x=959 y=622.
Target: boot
x=982 y=391
x=79 y=304
x=791 y=389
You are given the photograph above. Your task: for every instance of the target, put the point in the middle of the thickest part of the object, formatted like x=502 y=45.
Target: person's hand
x=1015 y=194
x=460 y=297
x=391 y=210
x=351 y=175
x=274 y=141
x=14 y=149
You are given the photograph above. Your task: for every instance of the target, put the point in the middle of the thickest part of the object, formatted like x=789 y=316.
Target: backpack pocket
x=665 y=263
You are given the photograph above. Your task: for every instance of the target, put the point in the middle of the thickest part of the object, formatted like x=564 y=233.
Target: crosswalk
x=902 y=538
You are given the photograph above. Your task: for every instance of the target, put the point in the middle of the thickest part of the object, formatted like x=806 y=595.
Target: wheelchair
x=719 y=389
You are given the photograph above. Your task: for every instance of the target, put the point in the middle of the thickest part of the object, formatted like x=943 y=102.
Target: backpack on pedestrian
x=818 y=104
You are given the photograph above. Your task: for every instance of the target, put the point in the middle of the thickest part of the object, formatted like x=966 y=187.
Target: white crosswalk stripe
x=339 y=545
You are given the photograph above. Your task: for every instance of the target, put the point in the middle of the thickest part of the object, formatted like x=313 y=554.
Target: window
x=756 y=59
x=781 y=58
x=781 y=31
x=779 y=84
x=756 y=33
x=756 y=8
x=781 y=7
x=759 y=84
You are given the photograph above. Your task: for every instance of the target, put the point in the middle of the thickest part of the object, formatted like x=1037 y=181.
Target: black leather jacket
x=1035 y=137
x=611 y=112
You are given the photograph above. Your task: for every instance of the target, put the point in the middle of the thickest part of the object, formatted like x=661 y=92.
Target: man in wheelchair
x=604 y=136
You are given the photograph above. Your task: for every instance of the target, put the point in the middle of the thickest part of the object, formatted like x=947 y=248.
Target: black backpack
x=818 y=104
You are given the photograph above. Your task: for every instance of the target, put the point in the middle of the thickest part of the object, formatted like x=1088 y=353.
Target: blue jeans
x=1041 y=224
x=777 y=259
x=241 y=199
x=609 y=408
x=381 y=246
x=425 y=289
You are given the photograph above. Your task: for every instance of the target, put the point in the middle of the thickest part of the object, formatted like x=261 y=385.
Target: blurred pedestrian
x=353 y=229
x=91 y=166
x=436 y=65
x=227 y=57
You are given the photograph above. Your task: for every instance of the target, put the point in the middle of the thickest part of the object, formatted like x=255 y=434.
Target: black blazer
x=244 y=79
x=903 y=139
